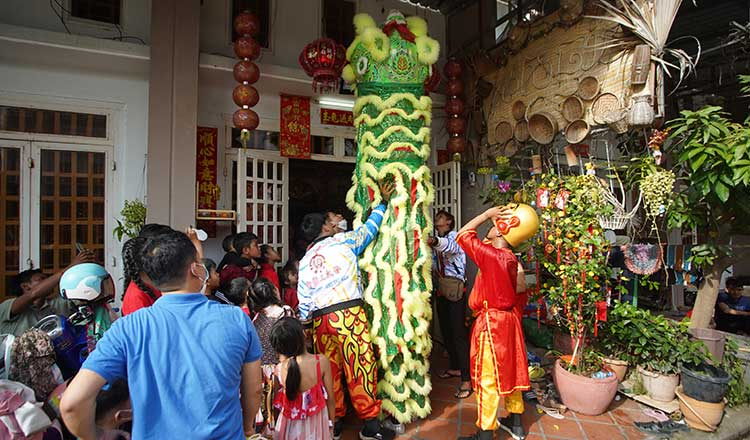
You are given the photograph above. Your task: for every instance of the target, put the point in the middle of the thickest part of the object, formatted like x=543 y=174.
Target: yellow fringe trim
x=428 y=50
x=371 y=122
x=363 y=21
x=416 y=25
x=423 y=103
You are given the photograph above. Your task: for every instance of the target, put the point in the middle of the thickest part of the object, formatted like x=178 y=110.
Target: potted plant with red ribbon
x=572 y=250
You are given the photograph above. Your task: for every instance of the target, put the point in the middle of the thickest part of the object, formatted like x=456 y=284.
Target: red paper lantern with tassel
x=454 y=108
x=456 y=145
x=246 y=72
x=323 y=60
x=245 y=119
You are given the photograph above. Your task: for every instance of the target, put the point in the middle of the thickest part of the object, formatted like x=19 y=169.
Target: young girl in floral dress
x=305 y=399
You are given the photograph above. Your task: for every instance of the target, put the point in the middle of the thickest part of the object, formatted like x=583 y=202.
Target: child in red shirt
x=289 y=277
x=268 y=259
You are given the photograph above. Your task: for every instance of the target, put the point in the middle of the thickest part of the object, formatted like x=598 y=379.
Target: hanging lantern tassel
x=601 y=315
x=244 y=137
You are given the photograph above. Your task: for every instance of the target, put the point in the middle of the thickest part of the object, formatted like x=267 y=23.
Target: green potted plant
x=657 y=345
x=133 y=218
x=572 y=249
x=614 y=348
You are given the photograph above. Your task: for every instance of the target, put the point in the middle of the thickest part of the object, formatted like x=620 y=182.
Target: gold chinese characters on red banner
x=205 y=174
x=329 y=116
x=295 y=127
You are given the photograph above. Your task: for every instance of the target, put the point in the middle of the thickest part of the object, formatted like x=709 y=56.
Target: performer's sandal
x=463 y=393
x=445 y=374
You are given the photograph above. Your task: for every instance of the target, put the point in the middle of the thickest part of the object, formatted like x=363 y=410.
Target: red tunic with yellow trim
x=493 y=299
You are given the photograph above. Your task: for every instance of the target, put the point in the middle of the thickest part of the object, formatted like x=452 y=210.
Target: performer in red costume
x=499 y=369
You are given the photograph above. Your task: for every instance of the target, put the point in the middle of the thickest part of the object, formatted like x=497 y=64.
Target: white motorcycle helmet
x=83 y=282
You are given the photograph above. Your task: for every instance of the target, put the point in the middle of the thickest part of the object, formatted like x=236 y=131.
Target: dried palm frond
x=651 y=21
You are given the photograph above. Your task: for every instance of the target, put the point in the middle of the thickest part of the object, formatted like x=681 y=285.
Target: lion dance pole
x=390 y=68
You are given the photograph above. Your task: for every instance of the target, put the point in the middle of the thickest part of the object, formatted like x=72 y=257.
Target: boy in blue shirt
x=733 y=309
x=192 y=365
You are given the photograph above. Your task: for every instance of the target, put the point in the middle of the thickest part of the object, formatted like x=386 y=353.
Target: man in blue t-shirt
x=733 y=309
x=192 y=365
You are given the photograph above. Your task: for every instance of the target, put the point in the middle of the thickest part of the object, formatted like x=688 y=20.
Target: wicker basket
x=618 y=120
x=518 y=110
x=521 y=132
x=576 y=131
x=588 y=88
x=615 y=222
x=604 y=105
x=542 y=127
x=503 y=132
x=572 y=108
x=510 y=148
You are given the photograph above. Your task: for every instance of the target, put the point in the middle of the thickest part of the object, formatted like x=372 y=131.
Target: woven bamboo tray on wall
x=549 y=68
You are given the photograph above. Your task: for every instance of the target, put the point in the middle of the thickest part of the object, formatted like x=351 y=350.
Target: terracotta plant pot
x=703 y=416
x=583 y=394
x=659 y=386
x=620 y=368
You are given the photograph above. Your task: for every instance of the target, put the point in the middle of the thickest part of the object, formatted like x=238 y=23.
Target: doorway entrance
x=316 y=186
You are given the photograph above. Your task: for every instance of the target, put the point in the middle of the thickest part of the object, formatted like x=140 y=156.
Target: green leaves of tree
x=713 y=163
x=133 y=218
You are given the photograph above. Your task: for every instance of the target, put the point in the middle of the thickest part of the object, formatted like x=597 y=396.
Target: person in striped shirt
x=329 y=294
x=451 y=309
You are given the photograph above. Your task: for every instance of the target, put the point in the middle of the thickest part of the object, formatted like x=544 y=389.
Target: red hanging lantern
x=456 y=126
x=456 y=145
x=247 y=23
x=454 y=87
x=323 y=60
x=246 y=71
x=454 y=107
x=245 y=95
x=245 y=119
x=453 y=69
x=246 y=48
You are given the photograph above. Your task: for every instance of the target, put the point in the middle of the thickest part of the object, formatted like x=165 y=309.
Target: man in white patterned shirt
x=451 y=300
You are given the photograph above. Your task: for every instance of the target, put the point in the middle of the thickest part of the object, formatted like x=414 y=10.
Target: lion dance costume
x=389 y=68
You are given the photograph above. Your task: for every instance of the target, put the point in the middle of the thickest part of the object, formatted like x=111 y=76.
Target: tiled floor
x=451 y=418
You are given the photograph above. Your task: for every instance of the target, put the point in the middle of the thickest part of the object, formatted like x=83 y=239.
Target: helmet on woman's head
x=83 y=282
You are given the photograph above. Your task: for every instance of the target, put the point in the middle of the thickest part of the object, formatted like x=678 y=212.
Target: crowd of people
x=240 y=349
